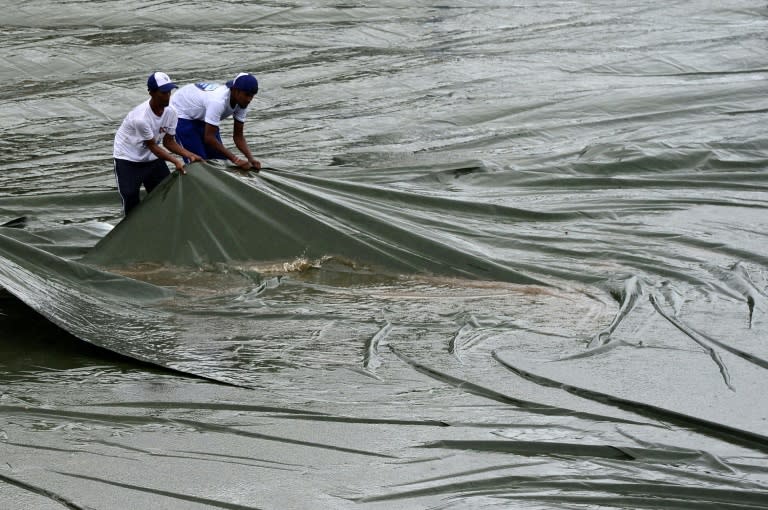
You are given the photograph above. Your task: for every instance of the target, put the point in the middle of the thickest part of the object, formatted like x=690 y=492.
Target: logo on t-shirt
x=207 y=86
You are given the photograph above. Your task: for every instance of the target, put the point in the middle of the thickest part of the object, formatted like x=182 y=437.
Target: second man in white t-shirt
x=201 y=108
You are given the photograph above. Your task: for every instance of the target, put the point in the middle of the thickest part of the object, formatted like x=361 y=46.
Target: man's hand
x=192 y=157
x=256 y=165
x=179 y=166
x=244 y=164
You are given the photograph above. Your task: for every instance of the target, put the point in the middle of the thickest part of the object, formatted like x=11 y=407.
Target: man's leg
x=189 y=134
x=128 y=178
x=155 y=173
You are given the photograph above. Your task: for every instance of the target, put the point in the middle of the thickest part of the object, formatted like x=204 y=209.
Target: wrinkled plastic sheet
x=211 y=216
x=502 y=256
x=433 y=384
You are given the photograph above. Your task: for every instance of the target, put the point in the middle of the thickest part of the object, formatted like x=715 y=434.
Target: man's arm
x=238 y=135
x=164 y=154
x=210 y=139
x=170 y=143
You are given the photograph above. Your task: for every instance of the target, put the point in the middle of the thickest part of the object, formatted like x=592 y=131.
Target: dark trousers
x=131 y=175
x=190 y=133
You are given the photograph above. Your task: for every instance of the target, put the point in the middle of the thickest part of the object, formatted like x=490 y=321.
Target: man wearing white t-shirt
x=139 y=159
x=201 y=108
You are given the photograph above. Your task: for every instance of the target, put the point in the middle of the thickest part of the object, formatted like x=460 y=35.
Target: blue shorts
x=189 y=134
x=131 y=175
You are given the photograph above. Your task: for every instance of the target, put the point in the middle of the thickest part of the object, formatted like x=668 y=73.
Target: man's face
x=161 y=98
x=242 y=98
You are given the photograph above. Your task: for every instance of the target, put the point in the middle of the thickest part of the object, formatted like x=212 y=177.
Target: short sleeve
x=240 y=114
x=144 y=130
x=213 y=112
x=171 y=121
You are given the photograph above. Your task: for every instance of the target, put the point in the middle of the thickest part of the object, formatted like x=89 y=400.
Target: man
x=201 y=108
x=139 y=159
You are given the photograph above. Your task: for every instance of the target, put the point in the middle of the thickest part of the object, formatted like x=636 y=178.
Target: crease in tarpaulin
x=212 y=215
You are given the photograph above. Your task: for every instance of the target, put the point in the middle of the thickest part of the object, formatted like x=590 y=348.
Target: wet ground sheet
x=500 y=256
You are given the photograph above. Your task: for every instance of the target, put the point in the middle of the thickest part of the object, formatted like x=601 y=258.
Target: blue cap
x=160 y=81
x=245 y=82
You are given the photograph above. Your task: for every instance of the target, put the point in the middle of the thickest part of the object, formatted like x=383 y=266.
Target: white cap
x=160 y=81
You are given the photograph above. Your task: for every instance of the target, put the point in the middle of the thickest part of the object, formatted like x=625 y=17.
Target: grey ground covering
x=213 y=216
x=500 y=256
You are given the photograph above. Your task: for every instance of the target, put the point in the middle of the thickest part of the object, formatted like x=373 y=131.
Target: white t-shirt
x=141 y=124
x=206 y=101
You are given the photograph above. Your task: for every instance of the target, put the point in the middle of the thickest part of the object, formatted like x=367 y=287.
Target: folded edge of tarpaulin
x=213 y=215
x=104 y=309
